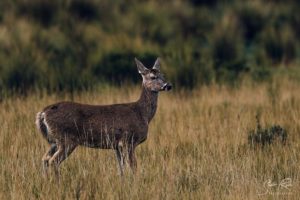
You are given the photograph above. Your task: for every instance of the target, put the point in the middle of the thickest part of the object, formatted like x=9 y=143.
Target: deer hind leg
x=63 y=151
x=120 y=156
x=47 y=157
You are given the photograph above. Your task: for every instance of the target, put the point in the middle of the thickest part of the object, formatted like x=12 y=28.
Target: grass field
x=196 y=148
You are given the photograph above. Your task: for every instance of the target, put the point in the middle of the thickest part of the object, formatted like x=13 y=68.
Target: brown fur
x=66 y=125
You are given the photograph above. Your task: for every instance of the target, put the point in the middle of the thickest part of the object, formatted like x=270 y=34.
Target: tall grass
x=196 y=148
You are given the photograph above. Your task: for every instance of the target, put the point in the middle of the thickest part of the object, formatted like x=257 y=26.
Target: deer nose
x=167 y=86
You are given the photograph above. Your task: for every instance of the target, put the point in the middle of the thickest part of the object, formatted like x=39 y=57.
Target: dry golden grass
x=196 y=148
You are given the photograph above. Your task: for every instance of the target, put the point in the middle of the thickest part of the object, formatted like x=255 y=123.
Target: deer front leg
x=132 y=159
x=64 y=150
x=47 y=157
x=120 y=157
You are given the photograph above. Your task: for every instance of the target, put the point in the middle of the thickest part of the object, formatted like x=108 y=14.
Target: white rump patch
x=41 y=118
x=38 y=120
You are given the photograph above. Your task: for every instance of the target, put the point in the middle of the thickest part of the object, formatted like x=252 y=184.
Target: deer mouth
x=166 y=87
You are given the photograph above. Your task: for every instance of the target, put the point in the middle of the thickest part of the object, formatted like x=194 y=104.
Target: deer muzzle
x=167 y=87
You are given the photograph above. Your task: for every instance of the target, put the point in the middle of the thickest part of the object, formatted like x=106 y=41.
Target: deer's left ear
x=156 y=64
x=142 y=69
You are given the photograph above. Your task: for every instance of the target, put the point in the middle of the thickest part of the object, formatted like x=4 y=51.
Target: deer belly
x=100 y=140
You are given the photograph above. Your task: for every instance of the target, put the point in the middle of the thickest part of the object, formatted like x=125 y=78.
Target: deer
x=119 y=127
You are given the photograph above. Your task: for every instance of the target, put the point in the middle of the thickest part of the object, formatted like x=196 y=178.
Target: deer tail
x=43 y=127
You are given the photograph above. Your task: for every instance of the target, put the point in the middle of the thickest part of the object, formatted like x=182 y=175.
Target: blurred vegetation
x=266 y=136
x=78 y=44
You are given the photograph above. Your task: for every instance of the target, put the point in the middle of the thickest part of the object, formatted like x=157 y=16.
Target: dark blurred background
x=73 y=45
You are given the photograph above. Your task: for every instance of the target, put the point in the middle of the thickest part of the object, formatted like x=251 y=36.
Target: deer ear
x=156 y=64
x=142 y=69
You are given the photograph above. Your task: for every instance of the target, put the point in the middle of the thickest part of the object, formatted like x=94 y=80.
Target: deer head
x=153 y=80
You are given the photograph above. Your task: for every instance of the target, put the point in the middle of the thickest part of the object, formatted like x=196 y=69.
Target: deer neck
x=148 y=104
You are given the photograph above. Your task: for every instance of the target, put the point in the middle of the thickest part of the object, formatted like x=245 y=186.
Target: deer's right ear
x=142 y=69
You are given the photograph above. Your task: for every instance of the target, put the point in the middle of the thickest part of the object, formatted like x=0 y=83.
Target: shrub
x=20 y=74
x=84 y=10
x=39 y=10
x=229 y=63
x=251 y=20
x=266 y=136
x=194 y=74
x=75 y=44
x=295 y=21
x=279 y=45
x=195 y=24
x=209 y=3
x=186 y=76
x=159 y=28
x=273 y=46
x=261 y=73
